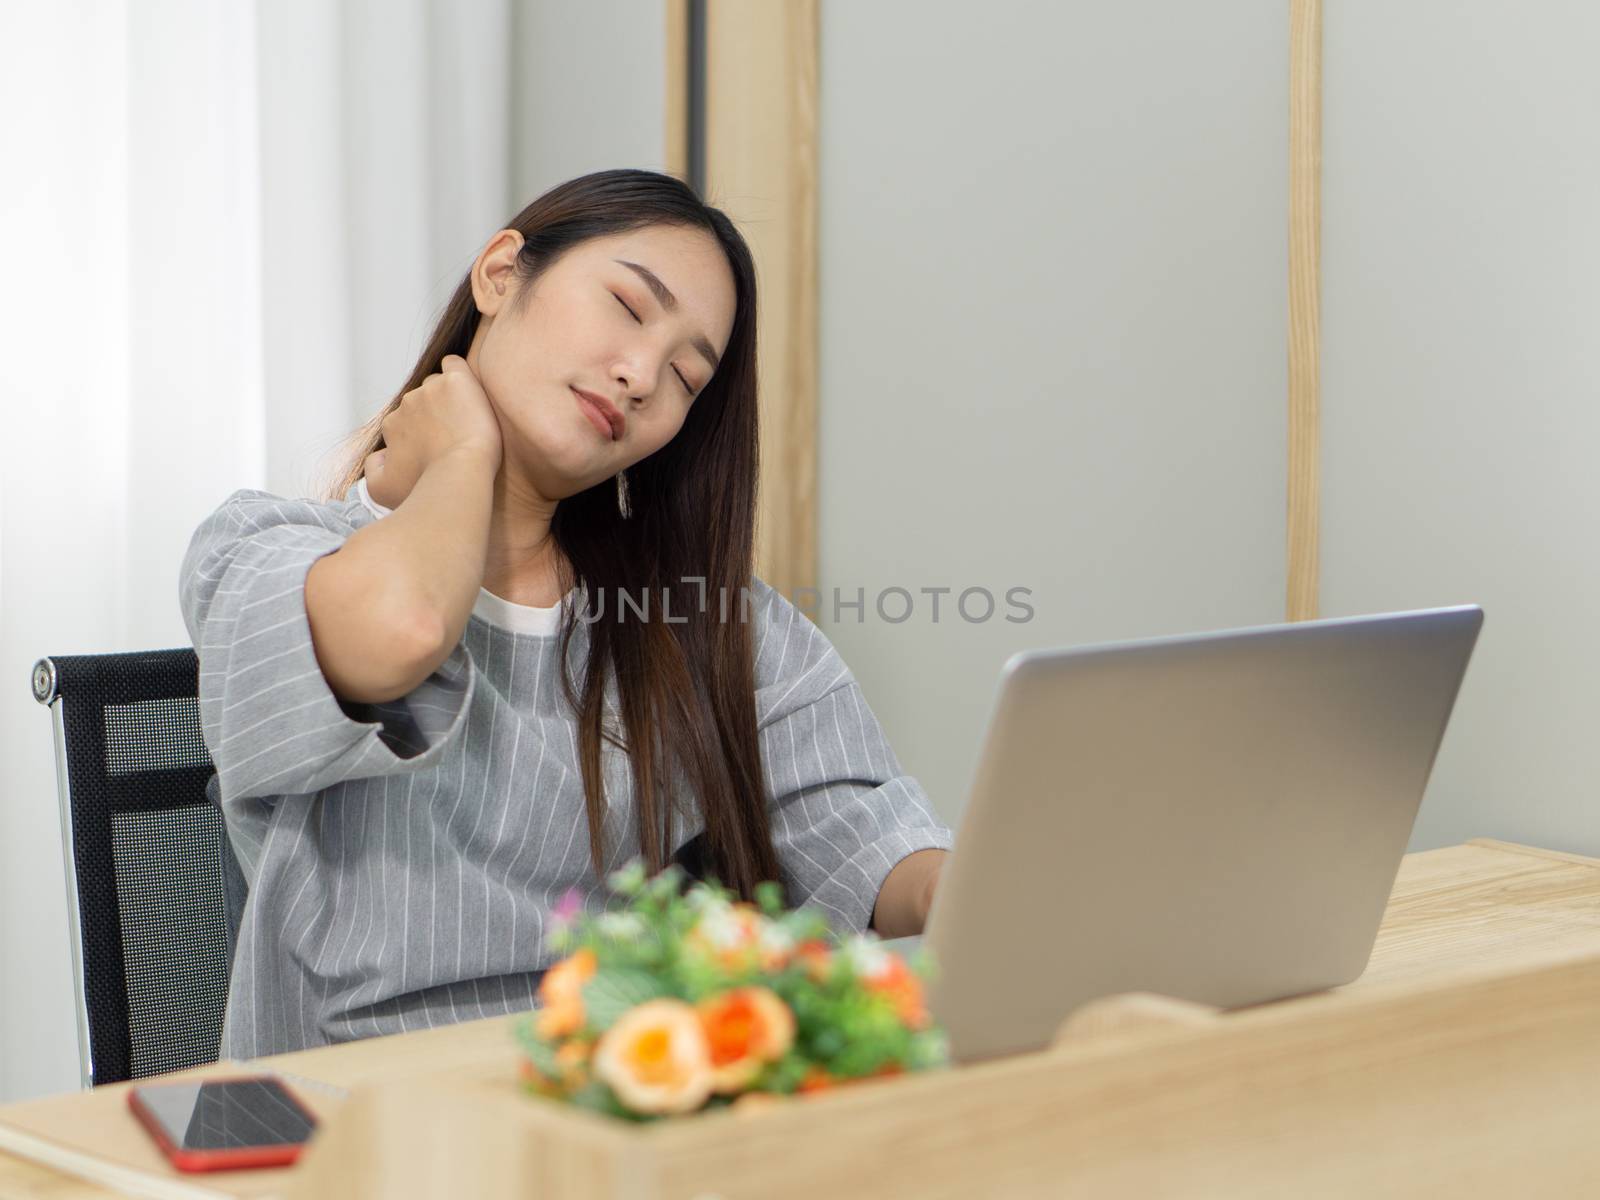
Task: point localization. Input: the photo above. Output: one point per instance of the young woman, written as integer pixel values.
(520, 643)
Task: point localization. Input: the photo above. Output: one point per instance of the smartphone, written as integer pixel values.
(224, 1124)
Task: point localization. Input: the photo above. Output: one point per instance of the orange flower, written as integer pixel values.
(732, 936)
(774, 947)
(561, 995)
(816, 1079)
(746, 1028)
(534, 1079)
(900, 984)
(573, 1059)
(655, 1058)
(816, 956)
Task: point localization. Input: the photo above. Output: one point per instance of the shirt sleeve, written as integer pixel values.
(267, 715)
(843, 809)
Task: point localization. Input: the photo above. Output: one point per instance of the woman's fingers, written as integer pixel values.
(448, 409)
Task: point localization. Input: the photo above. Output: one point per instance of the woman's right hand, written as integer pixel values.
(448, 411)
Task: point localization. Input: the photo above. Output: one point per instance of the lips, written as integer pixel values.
(601, 413)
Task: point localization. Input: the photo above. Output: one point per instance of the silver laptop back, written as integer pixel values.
(1217, 817)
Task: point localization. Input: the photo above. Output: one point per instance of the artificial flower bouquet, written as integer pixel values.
(685, 1000)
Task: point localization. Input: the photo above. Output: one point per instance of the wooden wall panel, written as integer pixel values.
(675, 104)
(761, 168)
(1305, 288)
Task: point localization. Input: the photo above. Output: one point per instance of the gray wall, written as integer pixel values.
(588, 84)
(1461, 299)
(1053, 312)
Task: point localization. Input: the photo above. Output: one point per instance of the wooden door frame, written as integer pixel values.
(741, 106)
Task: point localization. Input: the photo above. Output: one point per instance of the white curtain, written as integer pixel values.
(227, 230)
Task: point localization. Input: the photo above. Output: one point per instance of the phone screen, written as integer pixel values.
(228, 1114)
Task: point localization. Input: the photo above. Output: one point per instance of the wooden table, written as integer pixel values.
(1464, 913)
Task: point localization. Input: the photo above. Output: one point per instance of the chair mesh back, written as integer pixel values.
(154, 735)
(149, 852)
(174, 934)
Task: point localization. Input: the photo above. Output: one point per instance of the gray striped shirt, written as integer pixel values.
(402, 859)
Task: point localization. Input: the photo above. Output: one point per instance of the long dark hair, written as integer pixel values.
(686, 691)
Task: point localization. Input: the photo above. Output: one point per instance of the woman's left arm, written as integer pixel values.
(851, 827)
(907, 894)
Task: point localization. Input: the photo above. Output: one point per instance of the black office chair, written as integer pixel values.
(154, 893)
(153, 890)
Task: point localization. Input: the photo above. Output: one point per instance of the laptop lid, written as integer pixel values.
(1217, 817)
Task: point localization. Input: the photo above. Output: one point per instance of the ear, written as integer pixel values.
(494, 272)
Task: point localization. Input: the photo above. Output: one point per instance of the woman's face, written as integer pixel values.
(576, 333)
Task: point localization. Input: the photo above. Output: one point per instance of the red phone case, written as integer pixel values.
(220, 1160)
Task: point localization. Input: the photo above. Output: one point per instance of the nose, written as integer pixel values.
(636, 374)
(631, 380)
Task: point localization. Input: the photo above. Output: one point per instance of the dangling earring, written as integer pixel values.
(622, 495)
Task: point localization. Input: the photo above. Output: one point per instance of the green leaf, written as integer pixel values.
(785, 1075)
(667, 884)
(930, 1048)
(829, 1042)
(769, 898)
(597, 1097)
(614, 990)
(629, 879)
(539, 1052)
(923, 964)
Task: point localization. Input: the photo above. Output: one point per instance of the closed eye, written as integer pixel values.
(675, 371)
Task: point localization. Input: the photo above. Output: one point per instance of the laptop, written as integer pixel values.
(1217, 817)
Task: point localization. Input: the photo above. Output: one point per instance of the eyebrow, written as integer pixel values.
(668, 301)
